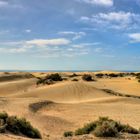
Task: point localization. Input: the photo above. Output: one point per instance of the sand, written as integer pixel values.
(71, 104)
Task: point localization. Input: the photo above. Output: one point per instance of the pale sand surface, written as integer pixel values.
(74, 103)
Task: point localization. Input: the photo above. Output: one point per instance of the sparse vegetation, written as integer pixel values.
(49, 79)
(105, 127)
(138, 77)
(18, 126)
(87, 77)
(68, 134)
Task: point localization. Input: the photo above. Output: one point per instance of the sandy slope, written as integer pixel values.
(66, 92)
(122, 85)
(75, 103)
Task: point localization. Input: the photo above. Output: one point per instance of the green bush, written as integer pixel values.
(86, 129)
(18, 126)
(3, 116)
(107, 129)
(21, 126)
(68, 134)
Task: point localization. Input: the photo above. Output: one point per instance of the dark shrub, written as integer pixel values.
(54, 77)
(17, 126)
(113, 75)
(86, 129)
(49, 79)
(87, 77)
(68, 134)
(21, 126)
(129, 129)
(75, 79)
(99, 75)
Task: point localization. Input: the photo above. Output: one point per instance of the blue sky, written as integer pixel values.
(70, 35)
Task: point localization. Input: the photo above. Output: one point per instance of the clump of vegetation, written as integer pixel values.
(138, 77)
(99, 75)
(105, 127)
(68, 134)
(75, 80)
(88, 128)
(49, 79)
(18, 126)
(87, 77)
(54, 77)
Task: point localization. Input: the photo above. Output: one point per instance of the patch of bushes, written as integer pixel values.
(68, 134)
(87, 77)
(105, 127)
(18, 126)
(49, 79)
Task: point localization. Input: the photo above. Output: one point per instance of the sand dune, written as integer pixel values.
(16, 86)
(66, 92)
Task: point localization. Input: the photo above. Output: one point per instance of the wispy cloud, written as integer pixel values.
(135, 37)
(98, 2)
(51, 42)
(45, 48)
(75, 35)
(114, 20)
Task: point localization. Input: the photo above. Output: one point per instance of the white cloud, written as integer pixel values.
(45, 48)
(51, 42)
(27, 30)
(115, 20)
(98, 2)
(76, 35)
(135, 37)
(3, 3)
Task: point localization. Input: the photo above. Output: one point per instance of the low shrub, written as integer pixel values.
(75, 79)
(99, 75)
(87, 77)
(68, 134)
(54, 77)
(105, 127)
(18, 126)
(129, 129)
(86, 129)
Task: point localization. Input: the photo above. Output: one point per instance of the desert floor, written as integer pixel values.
(73, 103)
